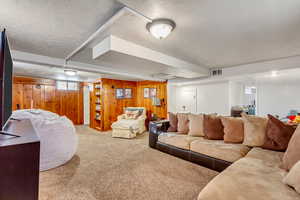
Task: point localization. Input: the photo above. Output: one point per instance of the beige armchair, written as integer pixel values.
(129, 128)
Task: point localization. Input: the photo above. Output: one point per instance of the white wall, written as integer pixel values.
(201, 98)
(86, 105)
(236, 94)
(171, 94)
(278, 97)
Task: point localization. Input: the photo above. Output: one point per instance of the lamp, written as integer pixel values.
(161, 28)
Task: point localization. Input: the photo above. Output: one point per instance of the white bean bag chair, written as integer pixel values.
(57, 135)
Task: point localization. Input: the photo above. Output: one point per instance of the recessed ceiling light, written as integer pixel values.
(70, 72)
(161, 28)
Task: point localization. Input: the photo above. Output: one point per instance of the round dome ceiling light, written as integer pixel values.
(161, 28)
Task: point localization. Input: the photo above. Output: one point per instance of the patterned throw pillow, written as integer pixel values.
(131, 114)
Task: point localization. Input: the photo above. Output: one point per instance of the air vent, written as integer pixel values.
(216, 72)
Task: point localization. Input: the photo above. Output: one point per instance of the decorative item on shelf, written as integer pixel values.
(153, 92)
(98, 86)
(98, 116)
(146, 93)
(156, 101)
(97, 93)
(98, 107)
(98, 100)
(127, 93)
(119, 93)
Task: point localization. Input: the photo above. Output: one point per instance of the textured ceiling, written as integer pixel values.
(53, 27)
(210, 32)
(220, 33)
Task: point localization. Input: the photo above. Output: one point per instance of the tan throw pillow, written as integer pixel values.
(131, 114)
(213, 127)
(233, 129)
(196, 125)
(292, 155)
(183, 123)
(254, 130)
(173, 122)
(293, 177)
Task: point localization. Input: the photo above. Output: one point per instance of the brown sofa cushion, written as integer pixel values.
(278, 134)
(233, 129)
(292, 155)
(183, 123)
(213, 127)
(196, 125)
(293, 177)
(254, 130)
(173, 122)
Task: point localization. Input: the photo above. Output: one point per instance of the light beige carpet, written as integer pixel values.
(113, 168)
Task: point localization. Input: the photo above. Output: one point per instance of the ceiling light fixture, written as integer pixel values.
(161, 28)
(70, 72)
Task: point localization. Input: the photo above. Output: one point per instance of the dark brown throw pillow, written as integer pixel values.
(213, 127)
(278, 134)
(173, 122)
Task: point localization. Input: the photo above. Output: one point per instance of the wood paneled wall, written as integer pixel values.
(113, 107)
(161, 88)
(43, 94)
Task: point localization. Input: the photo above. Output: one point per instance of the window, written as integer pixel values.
(65, 85)
(61, 85)
(72, 86)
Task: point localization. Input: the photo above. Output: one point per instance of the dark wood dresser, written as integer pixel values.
(19, 162)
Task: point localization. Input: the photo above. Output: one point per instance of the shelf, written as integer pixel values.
(98, 110)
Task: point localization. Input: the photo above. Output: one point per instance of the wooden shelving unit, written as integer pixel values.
(96, 110)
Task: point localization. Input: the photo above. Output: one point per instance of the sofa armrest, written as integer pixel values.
(155, 129)
(141, 117)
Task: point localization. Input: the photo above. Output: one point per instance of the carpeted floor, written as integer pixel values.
(113, 168)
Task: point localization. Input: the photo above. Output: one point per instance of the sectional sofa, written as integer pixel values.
(246, 173)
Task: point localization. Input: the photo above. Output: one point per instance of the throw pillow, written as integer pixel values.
(131, 114)
(173, 122)
(278, 134)
(196, 125)
(292, 155)
(213, 127)
(183, 123)
(254, 130)
(293, 177)
(233, 129)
